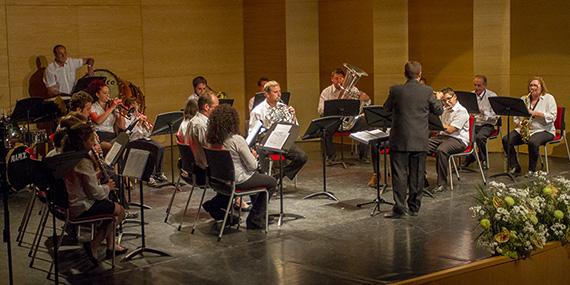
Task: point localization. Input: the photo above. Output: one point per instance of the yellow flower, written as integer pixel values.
(485, 224)
(558, 214)
(510, 201)
(502, 236)
(497, 202)
(550, 190)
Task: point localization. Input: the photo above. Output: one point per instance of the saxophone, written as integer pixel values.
(525, 123)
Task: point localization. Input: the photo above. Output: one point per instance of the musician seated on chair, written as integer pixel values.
(534, 131)
(139, 130)
(223, 130)
(190, 111)
(453, 139)
(87, 197)
(333, 92)
(59, 76)
(104, 113)
(272, 111)
(200, 85)
(485, 121)
(260, 84)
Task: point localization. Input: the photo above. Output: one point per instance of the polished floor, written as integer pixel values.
(335, 242)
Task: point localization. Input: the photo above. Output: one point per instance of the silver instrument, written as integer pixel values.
(353, 74)
(280, 113)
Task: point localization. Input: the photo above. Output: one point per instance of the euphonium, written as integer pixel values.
(525, 123)
(220, 94)
(353, 74)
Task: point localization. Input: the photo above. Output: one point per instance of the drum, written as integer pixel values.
(14, 135)
(18, 167)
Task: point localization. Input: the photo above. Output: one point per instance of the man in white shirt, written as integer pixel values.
(333, 92)
(453, 139)
(260, 84)
(485, 121)
(272, 111)
(200, 85)
(59, 76)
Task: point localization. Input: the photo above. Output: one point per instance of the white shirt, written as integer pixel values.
(547, 105)
(182, 133)
(331, 93)
(108, 124)
(197, 128)
(262, 112)
(194, 97)
(457, 117)
(62, 76)
(487, 115)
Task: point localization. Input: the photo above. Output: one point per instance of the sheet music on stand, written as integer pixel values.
(281, 137)
(366, 137)
(136, 163)
(252, 136)
(117, 149)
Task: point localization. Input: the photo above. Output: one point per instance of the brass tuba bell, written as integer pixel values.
(353, 74)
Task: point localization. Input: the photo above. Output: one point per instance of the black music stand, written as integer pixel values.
(168, 123)
(469, 101)
(377, 117)
(434, 123)
(341, 107)
(260, 97)
(227, 101)
(4, 191)
(319, 128)
(287, 141)
(138, 165)
(508, 106)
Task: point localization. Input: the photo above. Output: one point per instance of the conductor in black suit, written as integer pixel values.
(410, 105)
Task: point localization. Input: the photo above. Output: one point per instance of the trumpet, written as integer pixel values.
(127, 113)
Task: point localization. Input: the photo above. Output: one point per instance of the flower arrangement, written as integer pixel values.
(515, 220)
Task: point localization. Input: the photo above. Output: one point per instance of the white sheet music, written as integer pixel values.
(367, 136)
(136, 163)
(112, 153)
(251, 136)
(278, 136)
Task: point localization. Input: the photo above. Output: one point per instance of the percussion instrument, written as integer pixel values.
(18, 167)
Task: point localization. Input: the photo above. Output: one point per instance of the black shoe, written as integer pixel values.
(87, 248)
(217, 214)
(515, 170)
(393, 215)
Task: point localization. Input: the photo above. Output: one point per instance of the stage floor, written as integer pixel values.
(335, 242)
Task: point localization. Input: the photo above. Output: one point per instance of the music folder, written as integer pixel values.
(366, 137)
(469, 101)
(116, 151)
(280, 137)
(256, 131)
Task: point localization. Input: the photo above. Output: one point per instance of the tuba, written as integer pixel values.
(525, 123)
(353, 74)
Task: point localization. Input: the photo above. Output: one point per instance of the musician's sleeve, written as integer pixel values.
(49, 78)
(321, 106)
(245, 154)
(253, 118)
(89, 180)
(551, 110)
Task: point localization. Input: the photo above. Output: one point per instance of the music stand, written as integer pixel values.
(469, 101)
(508, 106)
(227, 101)
(341, 107)
(4, 191)
(319, 128)
(434, 123)
(287, 143)
(167, 123)
(260, 97)
(377, 117)
(138, 165)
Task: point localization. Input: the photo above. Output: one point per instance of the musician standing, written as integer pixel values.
(453, 139)
(59, 76)
(333, 92)
(272, 111)
(410, 105)
(486, 119)
(200, 85)
(542, 108)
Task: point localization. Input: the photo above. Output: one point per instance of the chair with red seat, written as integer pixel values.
(276, 157)
(496, 133)
(222, 180)
(560, 135)
(469, 150)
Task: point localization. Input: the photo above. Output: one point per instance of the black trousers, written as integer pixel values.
(482, 133)
(407, 178)
(360, 125)
(257, 214)
(443, 147)
(296, 158)
(534, 143)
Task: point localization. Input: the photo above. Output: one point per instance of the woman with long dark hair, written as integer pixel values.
(223, 129)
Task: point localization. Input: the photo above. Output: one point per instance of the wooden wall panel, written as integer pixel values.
(346, 35)
(539, 46)
(303, 58)
(390, 46)
(265, 52)
(4, 74)
(441, 38)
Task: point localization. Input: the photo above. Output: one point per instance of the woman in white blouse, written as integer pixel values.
(542, 108)
(223, 129)
(103, 111)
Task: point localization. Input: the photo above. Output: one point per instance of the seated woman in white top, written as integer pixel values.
(87, 197)
(103, 111)
(223, 129)
(183, 136)
(542, 108)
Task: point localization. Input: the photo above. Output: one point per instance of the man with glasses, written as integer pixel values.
(453, 139)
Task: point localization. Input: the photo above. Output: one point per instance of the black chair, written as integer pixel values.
(222, 180)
